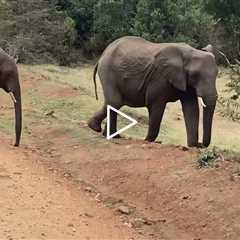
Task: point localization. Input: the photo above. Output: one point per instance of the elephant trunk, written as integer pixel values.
(18, 114)
(208, 112)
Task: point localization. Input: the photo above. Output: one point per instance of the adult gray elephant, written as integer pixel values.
(139, 73)
(9, 81)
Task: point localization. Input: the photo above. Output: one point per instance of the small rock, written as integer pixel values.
(70, 225)
(162, 220)
(68, 161)
(128, 224)
(98, 197)
(124, 210)
(211, 200)
(234, 177)
(88, 215)
(138, 222)
(88, 189)
(50, 114)
(204, 225)
(185, 197)
(217, 165)
(67, 175)
(184, 148)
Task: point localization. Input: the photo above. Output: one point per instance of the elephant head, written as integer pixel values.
(196, 70)
(202, 76)
(9, 81)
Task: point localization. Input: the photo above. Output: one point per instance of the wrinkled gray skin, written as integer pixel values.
(9, 81)
(138, 73)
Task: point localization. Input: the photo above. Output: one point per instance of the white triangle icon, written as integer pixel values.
(133, 122)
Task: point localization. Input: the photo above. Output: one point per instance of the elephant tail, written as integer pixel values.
(94, 79)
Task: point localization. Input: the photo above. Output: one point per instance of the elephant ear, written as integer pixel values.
(178, 77)
(171, 68)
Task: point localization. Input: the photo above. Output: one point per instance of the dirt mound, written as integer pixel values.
(164, 184)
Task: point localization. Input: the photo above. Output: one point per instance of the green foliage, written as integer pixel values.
(227, 13)
(208, 157)
(37, 31)
(57, 30)
(112, 19)
(169, 20)
(230, 106)
(234, 84)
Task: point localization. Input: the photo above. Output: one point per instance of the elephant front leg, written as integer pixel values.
(155, 119)
(191, 116)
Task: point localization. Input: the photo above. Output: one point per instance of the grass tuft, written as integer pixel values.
(208, 157)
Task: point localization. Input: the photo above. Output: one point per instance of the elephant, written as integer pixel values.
(139, 73)
(9, 82)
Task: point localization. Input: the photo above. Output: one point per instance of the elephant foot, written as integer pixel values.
(94, 125)
(150, 139)
(196, 145)
(201, 145)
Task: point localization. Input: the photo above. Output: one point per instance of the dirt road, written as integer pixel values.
(39, 204)
(67, 182)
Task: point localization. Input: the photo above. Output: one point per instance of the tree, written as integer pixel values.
(227, 14)
(170, 20)
(112, 19)
(37, 31)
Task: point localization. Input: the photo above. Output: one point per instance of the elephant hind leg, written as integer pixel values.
(113, 124)
(95, 122)
(155, 118)
(114, 99)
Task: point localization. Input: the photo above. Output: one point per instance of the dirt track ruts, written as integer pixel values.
(39, 204)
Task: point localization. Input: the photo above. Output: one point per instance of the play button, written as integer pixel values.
(133, 122)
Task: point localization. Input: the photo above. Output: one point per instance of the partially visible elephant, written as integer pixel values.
(9, 81)
(138, 73)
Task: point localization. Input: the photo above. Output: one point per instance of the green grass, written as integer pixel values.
(172, 130)
(72, 110)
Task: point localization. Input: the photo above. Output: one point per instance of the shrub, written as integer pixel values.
(37, 31)
(230, 107)
(208, 157)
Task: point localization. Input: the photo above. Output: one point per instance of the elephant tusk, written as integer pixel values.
(12, 97)
(202, 102)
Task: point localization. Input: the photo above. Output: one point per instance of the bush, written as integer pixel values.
(37, 31)
(208, 157)
(167, 20)
(230, 107)
(51, 31)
